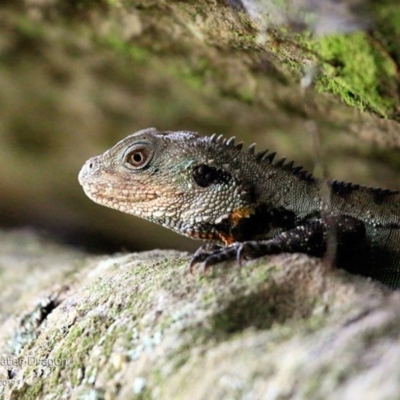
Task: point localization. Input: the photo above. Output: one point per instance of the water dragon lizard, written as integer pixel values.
(245, 204)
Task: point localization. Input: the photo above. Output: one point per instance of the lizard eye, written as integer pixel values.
(138, 157)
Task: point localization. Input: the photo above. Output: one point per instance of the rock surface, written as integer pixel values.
(140, 326)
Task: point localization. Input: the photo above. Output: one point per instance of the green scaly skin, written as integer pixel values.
(246, 205)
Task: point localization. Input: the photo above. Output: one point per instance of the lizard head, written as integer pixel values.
(180, 180)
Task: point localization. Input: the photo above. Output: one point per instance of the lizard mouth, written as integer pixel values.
(104, 193)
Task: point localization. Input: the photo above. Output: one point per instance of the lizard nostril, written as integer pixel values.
(90, 165)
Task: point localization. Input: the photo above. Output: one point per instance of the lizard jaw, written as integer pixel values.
(102, 188)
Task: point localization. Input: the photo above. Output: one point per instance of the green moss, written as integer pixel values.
(115, 42)
(28, 28)
(194, 78)
(357, 71)
(34, 391)
(390, 15)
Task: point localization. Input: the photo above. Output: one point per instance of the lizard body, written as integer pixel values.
(245, 204)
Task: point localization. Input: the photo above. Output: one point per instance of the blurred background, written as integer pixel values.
(76, 76)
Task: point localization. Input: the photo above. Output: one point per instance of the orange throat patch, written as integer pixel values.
(224, 236)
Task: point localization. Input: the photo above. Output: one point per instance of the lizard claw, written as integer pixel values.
(204, 267)
(216, 255)
(191, 265)
(239, 254)
(200, 258)
(202, 254)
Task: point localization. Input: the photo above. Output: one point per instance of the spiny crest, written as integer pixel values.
(344, 189)
(384, 192)
(260, 155)
(251, 148)
(230, 142)
(303, 174)
(380, 195)
(349, 186)
(263, 156)
(281, 162)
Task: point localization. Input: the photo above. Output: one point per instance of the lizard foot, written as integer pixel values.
(210, 255)
(202, 253)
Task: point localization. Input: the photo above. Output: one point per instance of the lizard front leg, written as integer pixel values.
(310, 238)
